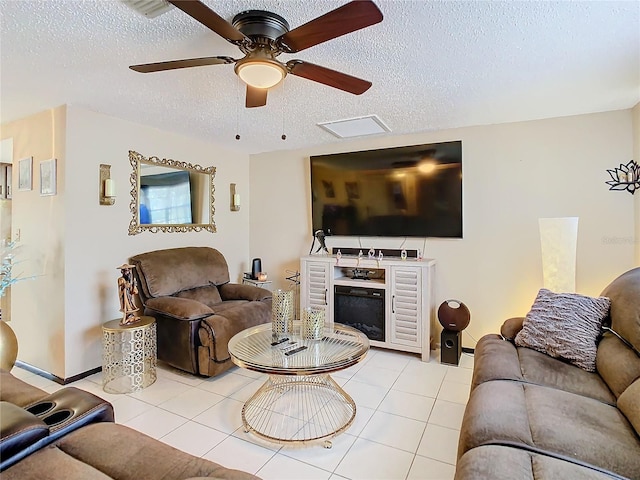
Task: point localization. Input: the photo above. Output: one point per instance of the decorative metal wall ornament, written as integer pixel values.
(625, 177)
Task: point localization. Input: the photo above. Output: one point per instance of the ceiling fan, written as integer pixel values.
(262, 36)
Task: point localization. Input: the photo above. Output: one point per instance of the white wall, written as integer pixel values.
(87, 242)
(513, 174)
(37, 306)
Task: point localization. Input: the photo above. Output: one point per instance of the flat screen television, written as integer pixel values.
(412, 191)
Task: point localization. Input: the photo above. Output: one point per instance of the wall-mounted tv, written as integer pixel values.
(412, 191)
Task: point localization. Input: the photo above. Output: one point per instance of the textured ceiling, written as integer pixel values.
(433, 64)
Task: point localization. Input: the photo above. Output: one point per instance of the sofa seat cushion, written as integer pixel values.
(506, 463)
(225, 306)
(497, 359)
(550, 420)
(629, 404)
(107, 451)
(16, 391)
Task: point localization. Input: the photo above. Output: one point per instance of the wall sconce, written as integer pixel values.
(558, 239)
(235, 198)
(107, 186)
(625, 177)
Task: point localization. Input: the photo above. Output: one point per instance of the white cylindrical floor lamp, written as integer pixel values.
(558, 239)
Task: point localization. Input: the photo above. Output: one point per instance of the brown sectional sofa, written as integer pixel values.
(89, 446)
(531, 416)
(196, 307)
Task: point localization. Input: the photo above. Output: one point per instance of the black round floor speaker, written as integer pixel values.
(256, 268)
(454, 315)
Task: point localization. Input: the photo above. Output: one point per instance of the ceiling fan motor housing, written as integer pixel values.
(260, 25)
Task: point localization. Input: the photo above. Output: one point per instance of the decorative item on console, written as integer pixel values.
(127, 288)
(625, 177)
(386, 252)
(362, 273)
(319, 235)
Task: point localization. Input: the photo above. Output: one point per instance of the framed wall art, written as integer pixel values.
(48, 177)
(25, 167)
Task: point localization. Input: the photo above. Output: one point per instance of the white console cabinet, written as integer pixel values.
(406, 286)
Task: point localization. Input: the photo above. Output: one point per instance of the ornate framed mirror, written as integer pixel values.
(170, 196)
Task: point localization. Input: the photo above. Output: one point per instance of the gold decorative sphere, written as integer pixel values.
(8, 346)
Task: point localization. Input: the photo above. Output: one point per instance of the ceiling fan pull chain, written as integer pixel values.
(284, 107)
(238, 112)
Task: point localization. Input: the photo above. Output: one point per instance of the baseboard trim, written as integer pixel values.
(55, 378)
(468, 350)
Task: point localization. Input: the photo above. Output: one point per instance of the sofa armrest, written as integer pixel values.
(511, 327)
(180, 308)
(240, 291)
(19, 430)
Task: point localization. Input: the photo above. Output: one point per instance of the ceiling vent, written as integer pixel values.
(355, 127)
(149, 8)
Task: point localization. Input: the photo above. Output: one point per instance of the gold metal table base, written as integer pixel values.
(128, 355)
(298, 409)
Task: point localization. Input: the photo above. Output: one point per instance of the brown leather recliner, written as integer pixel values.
(197, 310)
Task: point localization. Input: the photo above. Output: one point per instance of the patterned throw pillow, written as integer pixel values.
(565, 326)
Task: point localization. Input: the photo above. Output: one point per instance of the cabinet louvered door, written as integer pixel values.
(406, 321)
(316, 290)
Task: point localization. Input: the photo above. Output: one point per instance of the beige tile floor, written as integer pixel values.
(406, 428)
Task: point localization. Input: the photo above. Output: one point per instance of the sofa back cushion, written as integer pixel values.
(616, 362)
(208, 295)
(166, 272)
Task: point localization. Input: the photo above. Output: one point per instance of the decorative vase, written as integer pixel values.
(282, 311)
(8, 346)
(312, 323)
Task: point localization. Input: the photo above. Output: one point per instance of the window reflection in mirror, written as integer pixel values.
(170, 196)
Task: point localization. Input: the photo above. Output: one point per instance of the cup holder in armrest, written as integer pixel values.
(70, 408)
(40, 408)
(57, 417)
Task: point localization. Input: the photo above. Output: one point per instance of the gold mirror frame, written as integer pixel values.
(135, 227)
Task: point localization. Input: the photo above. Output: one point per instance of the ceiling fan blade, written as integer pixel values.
(210, 19)
(256, 97)
(328, 77)
(346, 19)
(186, 63)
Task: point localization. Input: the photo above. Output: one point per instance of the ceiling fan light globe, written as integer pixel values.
(260, 74)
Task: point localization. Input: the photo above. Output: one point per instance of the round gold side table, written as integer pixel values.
(128, 355)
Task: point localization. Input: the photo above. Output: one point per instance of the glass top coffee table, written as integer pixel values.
(299, 402)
